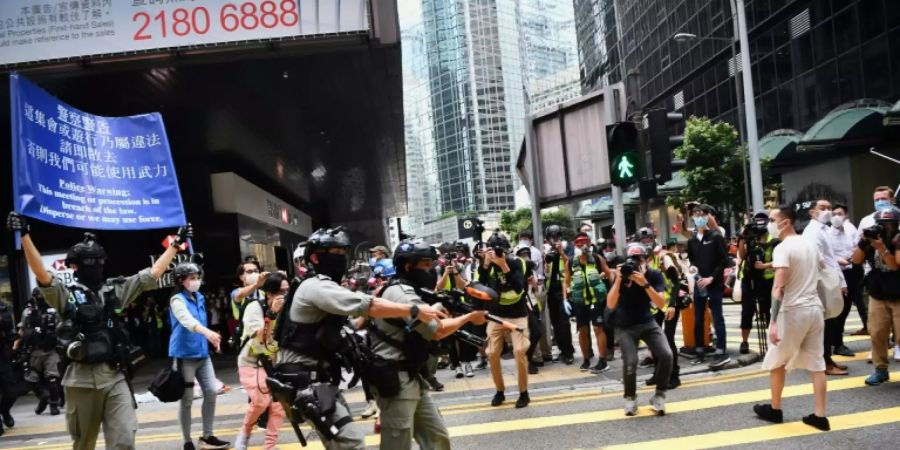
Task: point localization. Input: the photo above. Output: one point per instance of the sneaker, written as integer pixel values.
(435, 384)
(602, 366)
(699, 360)
(766, 412)
(8, 420)
(832, 369)
(468, 370)
(647, 362)
(817, 422)
(745, 348)
(459, 372)
(498, 399)
(651, 381)
(719, 360)
(41, 406)
(567, 359)
(54, 410)
(188, 446)
(630, 406)
(371, 410)
(532, 368)
(844, 351)
(241, 440)
(658, 403)
(212, 442)
(482, 364)
(878, 376)
(585, 365)
(523, 400)
(442, 364)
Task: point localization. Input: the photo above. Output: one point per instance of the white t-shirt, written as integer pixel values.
(801, 257)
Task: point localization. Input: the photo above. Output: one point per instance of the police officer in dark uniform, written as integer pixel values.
(405, 344)
(311, 337)
(95, 384)
(8, 392)
(38, 330)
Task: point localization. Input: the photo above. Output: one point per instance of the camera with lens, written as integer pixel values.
(450, 256)
(873, 232)
(631, 266)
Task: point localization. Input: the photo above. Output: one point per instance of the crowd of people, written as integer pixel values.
(401, 316)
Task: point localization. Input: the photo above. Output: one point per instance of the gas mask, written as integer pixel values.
(422, 279)
(331, 265)
(90, 275)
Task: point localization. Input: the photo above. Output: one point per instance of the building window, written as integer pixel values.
(800, 24)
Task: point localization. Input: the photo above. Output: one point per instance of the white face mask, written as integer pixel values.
(578, 252)
(824, 217)
(251, 278)
(524, 243)
(193, 285)
(773, 230)
(837, 221)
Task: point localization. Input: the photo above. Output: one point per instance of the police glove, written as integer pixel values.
(184, 233)
(17, 222)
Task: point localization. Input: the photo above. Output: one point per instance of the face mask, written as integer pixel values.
(578, 252)
(90, 276)
(701, 221)
(837, 221)
(824, 217)
(251, 278)
(683, 256)
(422, 279)
(773, 230)
(882, 204)
(192, 285)
(331, 265)
(609, 256)
(524, 243)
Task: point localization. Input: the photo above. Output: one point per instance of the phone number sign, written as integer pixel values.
(38, 30)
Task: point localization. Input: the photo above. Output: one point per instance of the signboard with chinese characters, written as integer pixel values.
(38, 30)
(75, 169)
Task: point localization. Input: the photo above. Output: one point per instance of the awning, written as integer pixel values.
(892, 118)
(779, 143)
(851, 124)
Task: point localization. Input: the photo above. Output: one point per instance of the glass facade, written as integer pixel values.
(472, 71)
(807, 56)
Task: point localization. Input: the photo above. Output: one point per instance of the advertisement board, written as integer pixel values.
(38, 30)
(56, 264)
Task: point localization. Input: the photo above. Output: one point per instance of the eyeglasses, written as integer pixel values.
(251, 271)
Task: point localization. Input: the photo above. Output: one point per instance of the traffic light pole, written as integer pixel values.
(619, 220)
(756, 190)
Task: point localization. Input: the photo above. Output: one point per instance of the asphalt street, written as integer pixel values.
(571, 409)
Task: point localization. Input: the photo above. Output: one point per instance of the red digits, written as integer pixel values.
(180, 24)
(139, 35)
(229, 20)
(269, 18)
(289, 16)
(248, 11)
(161, 17)
(200, 12)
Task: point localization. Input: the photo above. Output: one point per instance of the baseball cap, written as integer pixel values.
(380, 248)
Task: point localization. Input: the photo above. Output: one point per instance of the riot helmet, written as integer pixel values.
(88, 259)
(412, 252)
(498, 243)
(330, 247)
(183, 270)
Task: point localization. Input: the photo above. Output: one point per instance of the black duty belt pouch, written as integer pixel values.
(98, 347)
(169, 385)
(384, 375)
(294, 374)
(327, 395)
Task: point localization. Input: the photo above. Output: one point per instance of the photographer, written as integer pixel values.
(636, 288)
(880, 247)
(555, 269)
(588, 294)
(453, 263)
(755, 248)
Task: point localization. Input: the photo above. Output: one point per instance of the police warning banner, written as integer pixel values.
(39, 30)
(79, 170)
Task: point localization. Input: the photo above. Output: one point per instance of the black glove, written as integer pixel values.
(184, 233)
(17, 222)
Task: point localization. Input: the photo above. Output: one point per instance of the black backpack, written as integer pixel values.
(169, 384)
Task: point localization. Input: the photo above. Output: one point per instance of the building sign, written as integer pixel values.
(235, 195)
(37, 30)
(76, 169)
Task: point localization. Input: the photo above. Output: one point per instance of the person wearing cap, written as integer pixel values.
(588, 295)
(756, 248)
(381, 263)
(709, 256)
(635, 288)
(544, 352)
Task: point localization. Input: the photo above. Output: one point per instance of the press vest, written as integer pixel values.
(587, 286)
(510, 296)
(185, 343)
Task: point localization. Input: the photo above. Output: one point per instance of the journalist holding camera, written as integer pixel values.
(636, 288)
(755, 248)
(880, 247)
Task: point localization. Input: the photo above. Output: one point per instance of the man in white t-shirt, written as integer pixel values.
(797, 326)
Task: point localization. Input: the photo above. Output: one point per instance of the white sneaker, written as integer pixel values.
(630, 406)
(371, 410)
(459, 372)
(469, 372)
(658, 403)
(240, 442)
(897, 353)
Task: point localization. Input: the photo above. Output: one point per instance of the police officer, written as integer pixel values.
(96, 389)
(38, 331)
(317, 312)
(755, 248)
(8, 392)
(404, 342)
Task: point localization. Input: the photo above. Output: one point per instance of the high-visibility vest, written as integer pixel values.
(510, 296)
(587, 286)
(655, 263)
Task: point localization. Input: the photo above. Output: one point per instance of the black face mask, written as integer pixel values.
(331, 265)
(422, 279)
(90, 276)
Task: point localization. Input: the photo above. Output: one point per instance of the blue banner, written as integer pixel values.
(79, 170)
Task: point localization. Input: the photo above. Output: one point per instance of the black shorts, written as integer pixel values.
(587, 315)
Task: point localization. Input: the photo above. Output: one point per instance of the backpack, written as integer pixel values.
(169, 384)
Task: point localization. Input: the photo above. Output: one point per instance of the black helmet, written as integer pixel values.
(553, 231)
(183, 270)
(87, 252)
(412, 251)
(887, 215)
(645, 232)
(498, 240)
(327, 238)
(461, 247)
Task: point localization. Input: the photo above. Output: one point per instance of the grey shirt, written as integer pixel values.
(406, 295)
(314, 300)
(97, 376)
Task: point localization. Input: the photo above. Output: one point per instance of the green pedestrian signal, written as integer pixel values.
(624, 169)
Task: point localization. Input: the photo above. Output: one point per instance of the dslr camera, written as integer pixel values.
(631, 266)
(873, 232)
